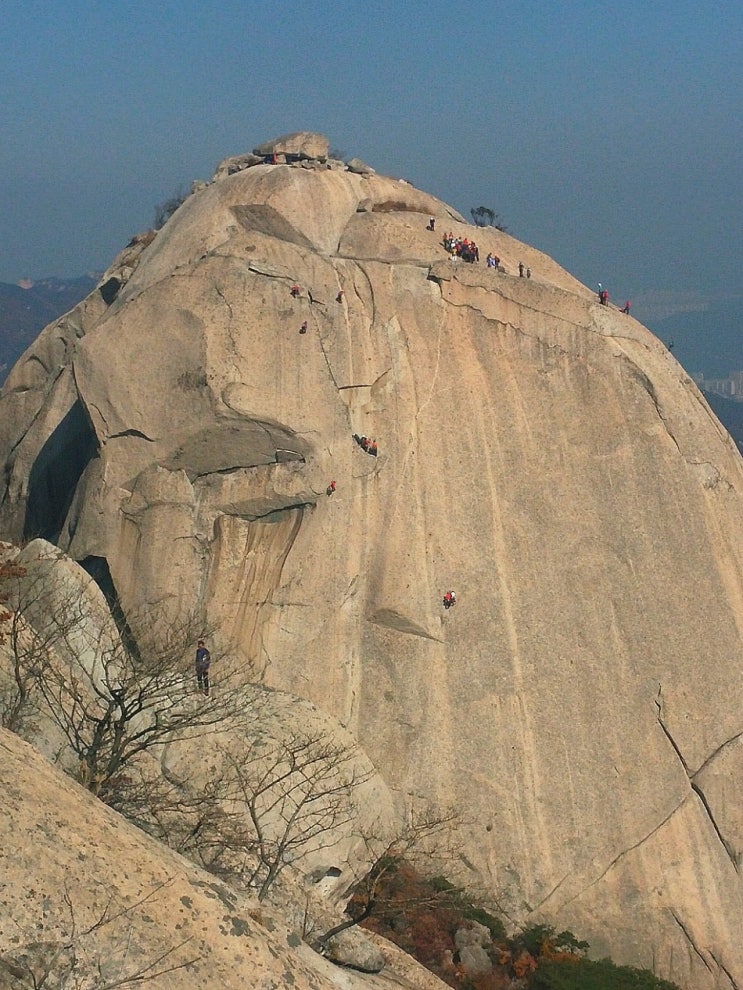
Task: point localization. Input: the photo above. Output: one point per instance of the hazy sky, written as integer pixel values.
(606, 134)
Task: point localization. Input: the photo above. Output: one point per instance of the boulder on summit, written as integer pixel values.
(301, 144)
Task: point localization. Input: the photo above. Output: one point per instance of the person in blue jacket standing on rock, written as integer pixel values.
(203, 662)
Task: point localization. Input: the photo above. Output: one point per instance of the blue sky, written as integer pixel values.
(606, 134)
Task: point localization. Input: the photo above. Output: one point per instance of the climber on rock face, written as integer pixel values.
(295, 290)
(449, 600)
(367, 445)
(303, 328)
(330, 489)
(339, 297)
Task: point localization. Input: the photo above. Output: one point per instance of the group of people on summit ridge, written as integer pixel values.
(461, 247)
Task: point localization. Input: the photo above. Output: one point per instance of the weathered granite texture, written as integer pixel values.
(541, 454)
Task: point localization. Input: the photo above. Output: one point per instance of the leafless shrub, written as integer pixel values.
(73, 958)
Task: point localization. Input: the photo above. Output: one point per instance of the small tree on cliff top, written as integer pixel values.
(483, 216)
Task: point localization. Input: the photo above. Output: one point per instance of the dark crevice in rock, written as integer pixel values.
(731, 853)
(269, 510)
(131, 433)
(624, 852)
(224, 300)
(327, 361)
(639, 376)
(669, 737)
(55, 473)
(733, 983)
(394, 206)
(370, 286)
(283, 454)
(694, 947)
(110, 289)
(551, 893)
(100, 414)
(98, 569)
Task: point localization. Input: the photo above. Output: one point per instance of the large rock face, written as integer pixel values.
(541, 454)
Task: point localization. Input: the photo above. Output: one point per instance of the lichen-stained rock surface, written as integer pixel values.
(543, 455)
(91, 900)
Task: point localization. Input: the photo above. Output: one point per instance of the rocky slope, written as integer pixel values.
(88, 900)
(541, 454)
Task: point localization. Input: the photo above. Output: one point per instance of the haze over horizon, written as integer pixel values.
(605, 135)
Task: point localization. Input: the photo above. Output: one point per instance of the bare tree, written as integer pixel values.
(165, 210)
(267, 799)
(133, 700)
(200, 820)
(116, 702)
(112, 697)
(18, 686)
(427, 842)
(299, 793)
(75, 959)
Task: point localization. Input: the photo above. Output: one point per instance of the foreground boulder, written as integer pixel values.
(352, 948)
(543, 455)
(87, 896)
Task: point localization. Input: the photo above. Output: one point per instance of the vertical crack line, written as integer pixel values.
(729, 849)
(370, 286)
(434, 379)
(659, 705)
(725, 970)
(230, 323)
(725, 844)
(224, 300)
(687, 935)
(325, 355)
(639, 376)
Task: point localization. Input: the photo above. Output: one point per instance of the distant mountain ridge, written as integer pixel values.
(27, 307)
(730, 414)
(708, 341)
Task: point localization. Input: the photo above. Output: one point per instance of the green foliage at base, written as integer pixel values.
(540, 940)
(489, 921)
(423, 914)
(584, 974)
